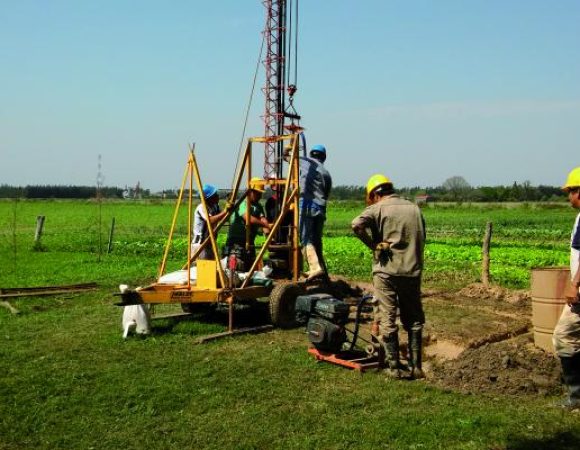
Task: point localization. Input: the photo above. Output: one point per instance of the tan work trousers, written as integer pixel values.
(402, 294)
(566, 337)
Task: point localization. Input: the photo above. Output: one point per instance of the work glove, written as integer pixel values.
(382, 251)
(228, 206)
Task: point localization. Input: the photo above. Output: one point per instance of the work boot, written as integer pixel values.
(314, 265)
(416, 354)
(571, 377)
(392, 364)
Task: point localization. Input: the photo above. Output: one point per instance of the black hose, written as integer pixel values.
(359, 308)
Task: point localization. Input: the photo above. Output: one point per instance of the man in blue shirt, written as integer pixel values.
(201, 223)
(315, 187)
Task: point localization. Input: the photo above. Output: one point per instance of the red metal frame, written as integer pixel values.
(355, 361)
(274, 88)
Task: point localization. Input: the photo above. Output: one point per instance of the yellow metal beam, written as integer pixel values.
(209, 227)
(168, 244)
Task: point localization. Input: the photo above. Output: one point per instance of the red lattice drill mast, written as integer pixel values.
(274, 88)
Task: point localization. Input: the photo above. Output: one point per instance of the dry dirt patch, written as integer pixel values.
(479, 340)
(493, 325)
(512, 367)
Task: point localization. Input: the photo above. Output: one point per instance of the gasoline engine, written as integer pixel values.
(325, 318)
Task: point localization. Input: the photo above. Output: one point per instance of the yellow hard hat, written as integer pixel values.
(375, 181)
(258, 184)
(573, 180)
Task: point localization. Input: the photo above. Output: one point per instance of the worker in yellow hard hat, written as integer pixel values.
(236, 240)
(566, 336)
(374, 182)
(573, 180)
(394, 230)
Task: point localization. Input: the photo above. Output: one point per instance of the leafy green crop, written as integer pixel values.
(75, 231)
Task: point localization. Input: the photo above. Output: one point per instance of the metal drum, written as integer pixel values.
(548, 286)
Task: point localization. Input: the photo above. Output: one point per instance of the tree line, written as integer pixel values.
(454, 189)
(55, 191)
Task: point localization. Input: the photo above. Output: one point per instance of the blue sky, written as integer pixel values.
(419, 90)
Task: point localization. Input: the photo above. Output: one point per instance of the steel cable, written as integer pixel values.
(248, 111)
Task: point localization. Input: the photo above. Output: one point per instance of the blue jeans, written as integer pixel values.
(311, 233)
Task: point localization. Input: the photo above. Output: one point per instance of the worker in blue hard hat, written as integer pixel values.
(200, 221)
(315, 187)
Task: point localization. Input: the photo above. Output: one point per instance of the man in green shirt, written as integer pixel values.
(236, 240)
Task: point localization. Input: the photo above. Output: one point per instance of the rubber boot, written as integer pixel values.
(571, 377)
(323, 266)
(314, 265)
(392, 364)
(416, 354)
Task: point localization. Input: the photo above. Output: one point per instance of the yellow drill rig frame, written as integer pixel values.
(212, 285)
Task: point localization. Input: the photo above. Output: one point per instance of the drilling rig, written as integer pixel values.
(215, 280)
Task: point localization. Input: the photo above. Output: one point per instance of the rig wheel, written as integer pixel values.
(283, 304)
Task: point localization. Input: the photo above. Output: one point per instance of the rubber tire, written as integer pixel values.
(283, 304)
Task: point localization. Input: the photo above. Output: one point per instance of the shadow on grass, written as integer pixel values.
(208, 319)
(214, 320)
(561, 441)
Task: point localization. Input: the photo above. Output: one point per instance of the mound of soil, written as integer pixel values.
(513, 367)
(498, 293)
(478, 341)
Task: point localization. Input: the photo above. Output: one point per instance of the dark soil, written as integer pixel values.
(493, 326)
(512, 367)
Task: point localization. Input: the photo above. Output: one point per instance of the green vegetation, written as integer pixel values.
(524, 236)
(68, 380)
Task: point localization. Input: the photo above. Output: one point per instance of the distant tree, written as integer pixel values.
(527, 191)
(347, 193)
(83, 192)
(7, 191)
(516, 192)
(550, 193)
(457, 187)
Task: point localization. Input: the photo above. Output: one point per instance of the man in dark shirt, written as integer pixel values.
(240, 220)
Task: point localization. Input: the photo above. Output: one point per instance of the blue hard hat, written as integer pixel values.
(319, 148)
(209, 190)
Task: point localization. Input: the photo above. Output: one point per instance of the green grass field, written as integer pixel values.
(68, 380)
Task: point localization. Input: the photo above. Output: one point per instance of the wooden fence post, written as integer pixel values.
(39, 227)
(485, 255)
(111, 232)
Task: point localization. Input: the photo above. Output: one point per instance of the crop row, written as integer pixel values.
(523, 238)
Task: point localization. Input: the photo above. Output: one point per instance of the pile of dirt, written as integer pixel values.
(498, 293)
(478, 340)
(512, 367)
(343, 288)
